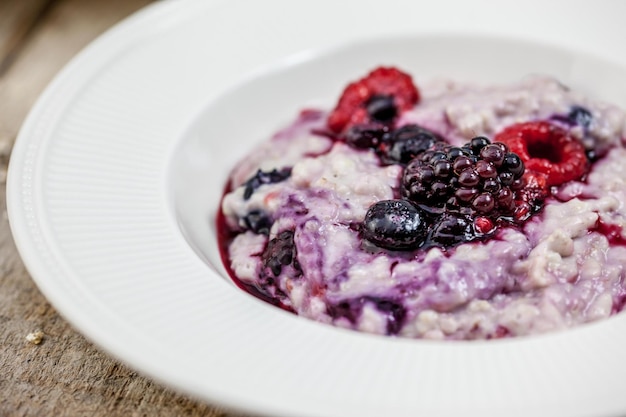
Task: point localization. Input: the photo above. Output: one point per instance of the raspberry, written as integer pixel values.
(546, 149)
(379, 97)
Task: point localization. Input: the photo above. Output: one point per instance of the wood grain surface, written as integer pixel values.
(64, 374)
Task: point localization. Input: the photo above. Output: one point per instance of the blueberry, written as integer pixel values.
(264, 177)
(394, 310)
(365, 136)
(581, 116)
(348, 309)
(258, 222)
(279, 252)
(409, 141)
(351, 309)
(381, 108)
(452, 229)
(394, 224)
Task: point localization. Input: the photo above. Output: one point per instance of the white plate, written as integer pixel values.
(119, 167)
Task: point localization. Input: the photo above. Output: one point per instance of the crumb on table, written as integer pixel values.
(35, 337)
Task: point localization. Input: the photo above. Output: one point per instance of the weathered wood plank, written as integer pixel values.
(64, 375)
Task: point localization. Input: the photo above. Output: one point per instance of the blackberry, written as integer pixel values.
(394, 224)
(475, 178)
(264, 177)
(280, 252)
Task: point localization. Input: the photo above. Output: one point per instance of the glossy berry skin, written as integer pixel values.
(475, 178)
(546, 149)
(264, 177)
(405, 143)
(395, 225)
(452, 229)
(365, 136)
(381, 108)
(380, 96)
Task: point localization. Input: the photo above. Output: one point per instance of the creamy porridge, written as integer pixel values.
(443, 211)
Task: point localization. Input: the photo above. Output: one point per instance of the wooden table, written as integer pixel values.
(64, 374)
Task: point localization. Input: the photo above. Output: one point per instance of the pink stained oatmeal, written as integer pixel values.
(448, 211)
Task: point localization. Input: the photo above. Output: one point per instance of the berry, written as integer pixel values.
(478, 143)
(381, 108)
(258, 222)
(493, 153)
(452, 229)
(394, 224)
(351, 309)
(483, 203)
(547, 149)
(263, 177)
(403, 144)
(462, 163)
(380, 96)
(513, 163)
(534, 188)
(475, 178)
(483, 225)
(365, 136)
(580, 116)
(468, 178)
(394, 311)
(280, 252)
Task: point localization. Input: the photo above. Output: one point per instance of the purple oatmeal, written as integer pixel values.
(452, 211)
